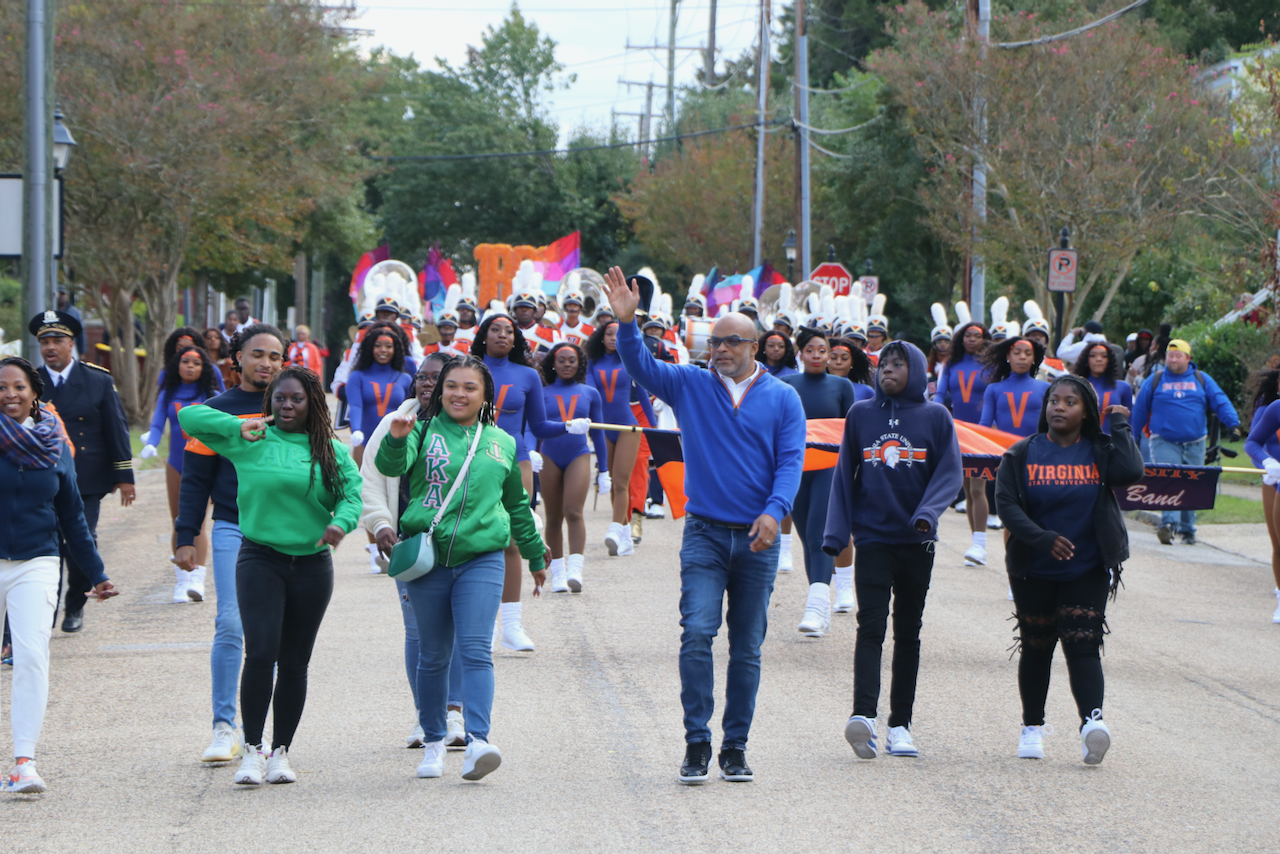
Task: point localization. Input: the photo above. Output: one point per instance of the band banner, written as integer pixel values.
(1171, 488)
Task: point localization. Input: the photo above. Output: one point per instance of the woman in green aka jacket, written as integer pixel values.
(299, 495)
(460, 597)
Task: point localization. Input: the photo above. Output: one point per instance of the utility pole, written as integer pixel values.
(1064, 242)
(36, 188)
(802, 141)
(980, 10)
(671, 67)
(762, 96)
(711, 48)
(646, 123)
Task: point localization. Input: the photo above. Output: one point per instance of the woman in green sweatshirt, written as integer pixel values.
(461, 596)
(299, 495)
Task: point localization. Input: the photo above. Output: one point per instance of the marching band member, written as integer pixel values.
(1037, 329)
(378, 384)
(1102, 366)
(468, 313)
(574, 329)
(940, 352)
(777, 354)
(1011, 402)
(877, 328)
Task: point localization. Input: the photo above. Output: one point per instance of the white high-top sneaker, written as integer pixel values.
(573, 563)
(785, 563)
(195, 584)
(614, 539)
(817, 611)
(181, 579)
(842, 580)
(559, 582)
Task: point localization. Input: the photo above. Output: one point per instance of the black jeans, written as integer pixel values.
(1073, 612)
(881, 570)
(77, 585)
(282, 602)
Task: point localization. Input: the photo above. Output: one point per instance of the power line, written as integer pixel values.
(825, 131)
(1069, 33)
(857, 85)
(829, 152)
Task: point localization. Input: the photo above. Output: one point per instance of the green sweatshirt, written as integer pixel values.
(489, 506)
(279, 505)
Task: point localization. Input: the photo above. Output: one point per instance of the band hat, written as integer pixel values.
(573, 297)
(1176, 344)
(468, 302)
(447, 318)
(941, 329)
(525, 299)
(655, 320)
(53, 324)
(1131, 337)
(387, 304)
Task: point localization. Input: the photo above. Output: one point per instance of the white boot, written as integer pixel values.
(513, 634)
(817, 611)
(613, 540)
(558, 582)
(784, 553)
(574, 573)
(181, 578)
(195, 584)
(843, 582)
(374, 567)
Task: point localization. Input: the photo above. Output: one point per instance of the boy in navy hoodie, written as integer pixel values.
(899, 469)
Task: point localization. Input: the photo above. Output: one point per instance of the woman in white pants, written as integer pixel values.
(38, 495)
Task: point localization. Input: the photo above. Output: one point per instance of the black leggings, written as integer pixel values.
(1071, 611)
(282, 601)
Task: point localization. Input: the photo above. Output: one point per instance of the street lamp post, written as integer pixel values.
(789, 247)
(63, 142)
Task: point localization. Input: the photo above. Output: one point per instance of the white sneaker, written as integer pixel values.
(278, 770)
(785, 563)
(962, 506)
(613, 540)
(377, 563)
(514, 638)
(1095, 739)
(1275, 618)
(860, 732)
(559, 577)
(24, 780)
(899, 742)
(976, 556)
(226, 744)
(252, 766)
(573, 572)
(817, 611)
(480, 760)
(1031, 742)
(654, 511)
(993, 522)
(195, 584)
(626, 542)
(415, 739)
(455, 730)
(844, 599)
(182, 579)
(432, 764)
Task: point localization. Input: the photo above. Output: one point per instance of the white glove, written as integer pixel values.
(357, 439)
(1272, 469)
(604, 483)
(536, 459)
(148, 451)
(578, 426)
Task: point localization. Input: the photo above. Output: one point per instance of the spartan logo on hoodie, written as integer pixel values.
(893, 450)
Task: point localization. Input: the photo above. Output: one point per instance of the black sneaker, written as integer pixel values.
(1165, 534)
(733, 765)
(1188, 538)
(697, 756)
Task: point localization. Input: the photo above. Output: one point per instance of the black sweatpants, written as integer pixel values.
(282, 602)
(77, 585)
(879, 571)
(1071, 611)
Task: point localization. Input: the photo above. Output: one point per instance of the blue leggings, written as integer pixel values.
(809, 512)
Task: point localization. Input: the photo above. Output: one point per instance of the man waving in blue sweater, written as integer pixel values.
(734, 411)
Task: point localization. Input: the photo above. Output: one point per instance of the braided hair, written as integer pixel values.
(519, 354)
(1082, 369)
(319, 427)
(996, 358)
(1092, 424)
(488, 414)
(549, 375)
(382, 329)
(173, 377)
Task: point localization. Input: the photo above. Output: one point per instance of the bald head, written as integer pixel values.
(738, 361)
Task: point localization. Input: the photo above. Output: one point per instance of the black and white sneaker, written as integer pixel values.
(1165, 534)
(1188, 538)
(697, 756)
(733, 765)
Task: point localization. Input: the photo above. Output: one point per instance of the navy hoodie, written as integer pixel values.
(899, 463)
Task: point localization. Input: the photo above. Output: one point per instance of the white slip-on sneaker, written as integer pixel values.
(817, 611)
(573, 572)
(900, 743)
(559, 576)
(181, 579)
(252, 766)
(455, 735)
(993, 522)
(24, 780)
(432, 764)
(514, 638)
(860, 732)
(278, 770)
(226, 744)
(1095, 738)
(415, 739)
(195, 584)
(975, 556)
(480, 760)
(1031, 742)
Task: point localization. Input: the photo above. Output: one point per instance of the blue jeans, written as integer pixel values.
(228, 634)
(455, 606)
(716, 560)
(1178, 453)
(411, 652)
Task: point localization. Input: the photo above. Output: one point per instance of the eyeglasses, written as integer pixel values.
(732, 341)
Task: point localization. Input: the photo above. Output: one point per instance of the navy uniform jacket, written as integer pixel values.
(90, 407)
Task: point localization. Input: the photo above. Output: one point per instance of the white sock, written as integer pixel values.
(820, 593)
(510, 614)
(784, 540)
(843, 576)
(574, 562)
(557, 565)
(980, 538)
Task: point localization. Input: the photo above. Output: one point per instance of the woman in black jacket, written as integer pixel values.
(1067, 539)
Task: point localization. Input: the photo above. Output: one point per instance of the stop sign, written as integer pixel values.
(835, 275)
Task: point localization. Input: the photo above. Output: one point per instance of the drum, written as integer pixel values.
(696, 332)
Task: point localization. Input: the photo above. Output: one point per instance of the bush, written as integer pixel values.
(1228, 353)
(11, 309)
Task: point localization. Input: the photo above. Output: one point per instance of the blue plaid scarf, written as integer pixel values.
(35, 447)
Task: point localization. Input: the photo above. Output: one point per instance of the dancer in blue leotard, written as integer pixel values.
(1101, 365)
(566, 466)
(180, 339)
(379, 383)
(1263, 447)
(961, 388)
(1013, 399)
(606, 374)
(777, 354)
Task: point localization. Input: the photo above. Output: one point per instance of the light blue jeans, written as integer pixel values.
(455, 608)
(1178, 453)
(411, 652)
(228, 634)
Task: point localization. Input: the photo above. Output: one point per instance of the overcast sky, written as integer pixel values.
(591, 42)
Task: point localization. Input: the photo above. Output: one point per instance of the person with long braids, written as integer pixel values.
(1263, 447)
(189, 379)
(519, 404)
(455, 604)
(566, 463)
(609, 377)
(378, 384)
(299, 495)
(1062, 558)
(823, 396)
(777, 354)
(962, 386)
(1102, 365)
(39, 498)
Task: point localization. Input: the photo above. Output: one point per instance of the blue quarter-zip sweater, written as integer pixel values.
(1013, 404)
(899, 464)
(739, 461)
(1174, 405)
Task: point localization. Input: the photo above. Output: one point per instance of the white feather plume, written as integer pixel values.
(814, 304)
(1031, 309)
(451, 297)
(841, 309)
(695, 287)
(939, 314)
(962, 313)
(877, 304)
(828, 295)
(469, 285)
(665, 305)
(724, 309)
(648, 273)
(999, 311)
(784, 297)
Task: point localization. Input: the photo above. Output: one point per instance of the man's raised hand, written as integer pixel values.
(623, 299)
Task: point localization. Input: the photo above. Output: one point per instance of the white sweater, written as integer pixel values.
(381, 494)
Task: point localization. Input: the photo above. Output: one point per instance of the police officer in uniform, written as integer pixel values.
(86, 399)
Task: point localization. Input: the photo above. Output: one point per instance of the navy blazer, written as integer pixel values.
(91, 410)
